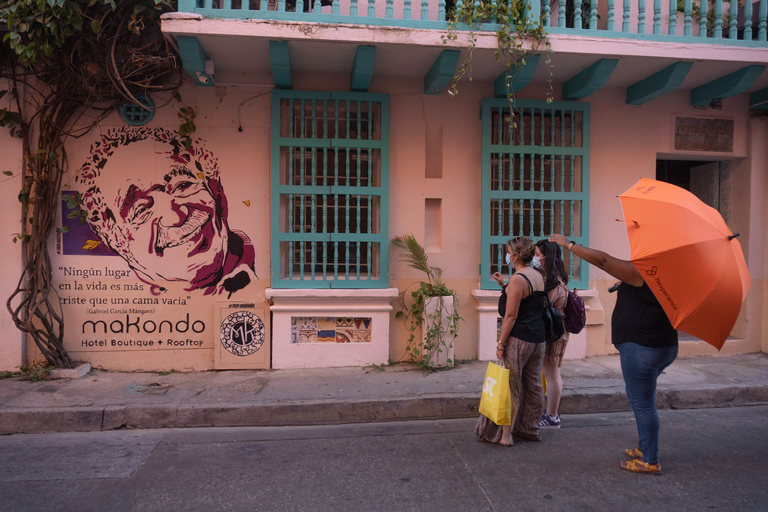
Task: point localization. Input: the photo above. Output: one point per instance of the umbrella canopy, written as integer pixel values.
(688, 256)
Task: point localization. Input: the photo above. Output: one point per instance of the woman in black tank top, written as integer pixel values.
(521, 346)
(647, 344)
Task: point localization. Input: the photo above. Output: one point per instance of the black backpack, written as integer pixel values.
(554, 328)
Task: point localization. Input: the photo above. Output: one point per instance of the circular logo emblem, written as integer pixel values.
(242, 333)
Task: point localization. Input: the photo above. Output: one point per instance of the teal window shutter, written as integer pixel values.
(330, 189)
(535, 165)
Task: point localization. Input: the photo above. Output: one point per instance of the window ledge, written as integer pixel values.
(330, 300)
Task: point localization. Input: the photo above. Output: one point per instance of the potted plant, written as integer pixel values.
(433, 310)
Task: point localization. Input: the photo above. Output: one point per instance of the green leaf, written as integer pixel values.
(65, 229)
(73, 215)
(52, 157)
(96, 26)
(8, 173)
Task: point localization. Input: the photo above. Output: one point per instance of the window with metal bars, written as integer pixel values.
(535, 179)
(330, 156)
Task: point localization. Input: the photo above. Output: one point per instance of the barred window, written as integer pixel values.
(535, 178)
(330, 183)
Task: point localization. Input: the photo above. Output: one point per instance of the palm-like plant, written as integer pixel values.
(415, 257)
(440, 326)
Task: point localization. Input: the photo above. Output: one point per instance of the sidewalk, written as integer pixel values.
(105, 400)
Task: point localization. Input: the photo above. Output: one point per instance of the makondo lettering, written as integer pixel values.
(148, 326)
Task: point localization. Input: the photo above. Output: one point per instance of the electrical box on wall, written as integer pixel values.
(243, 340)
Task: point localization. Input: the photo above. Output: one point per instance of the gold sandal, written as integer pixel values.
(638, 466)
(634, 453)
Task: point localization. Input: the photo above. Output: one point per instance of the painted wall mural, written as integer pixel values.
(168, 221)
(162, 210)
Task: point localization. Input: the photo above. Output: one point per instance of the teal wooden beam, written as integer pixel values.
(442, 71)
(362, 68)
(194, 59)
(590, 80)
(725, 86)
(280, 62)
(759, 99)
(665, 81)
(517, 77)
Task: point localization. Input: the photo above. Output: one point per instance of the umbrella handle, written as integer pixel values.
(731, 237)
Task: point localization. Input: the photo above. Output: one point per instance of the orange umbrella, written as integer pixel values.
(688, 257)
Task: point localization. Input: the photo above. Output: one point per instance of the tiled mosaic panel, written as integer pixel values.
(330, 329)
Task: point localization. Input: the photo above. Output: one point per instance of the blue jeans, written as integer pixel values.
(641, 367)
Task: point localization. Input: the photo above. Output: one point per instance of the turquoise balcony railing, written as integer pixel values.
(699, 21)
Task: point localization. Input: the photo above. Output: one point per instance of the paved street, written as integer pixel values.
(713, 459)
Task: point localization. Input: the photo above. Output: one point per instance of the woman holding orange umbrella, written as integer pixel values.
(647, 344)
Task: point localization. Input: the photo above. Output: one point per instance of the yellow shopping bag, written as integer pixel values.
(496, 401)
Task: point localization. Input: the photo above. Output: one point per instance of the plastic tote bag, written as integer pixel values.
(496, 401)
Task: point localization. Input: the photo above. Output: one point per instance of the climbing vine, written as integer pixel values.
(67, 64)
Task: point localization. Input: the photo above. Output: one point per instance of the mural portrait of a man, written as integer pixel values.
(161, 207)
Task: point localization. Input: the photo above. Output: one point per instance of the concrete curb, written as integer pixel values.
(152, 416)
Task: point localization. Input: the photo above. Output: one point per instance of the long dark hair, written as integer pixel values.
(554, 270)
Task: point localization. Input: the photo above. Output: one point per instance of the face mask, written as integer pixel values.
(536, 262)
(508, 259)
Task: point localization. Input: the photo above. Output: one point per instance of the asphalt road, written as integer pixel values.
(713, 459)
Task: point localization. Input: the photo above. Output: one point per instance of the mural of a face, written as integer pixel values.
(177, 229)
(161, 207)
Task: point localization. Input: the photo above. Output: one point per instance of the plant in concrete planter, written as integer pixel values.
(433, 310)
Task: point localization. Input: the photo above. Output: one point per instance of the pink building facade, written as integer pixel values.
(267, 243)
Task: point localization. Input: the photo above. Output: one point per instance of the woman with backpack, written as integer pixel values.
(549, 262)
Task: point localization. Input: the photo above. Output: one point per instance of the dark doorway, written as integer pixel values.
(709, 181)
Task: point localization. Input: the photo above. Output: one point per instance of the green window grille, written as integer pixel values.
(535, 164)
(330, 186)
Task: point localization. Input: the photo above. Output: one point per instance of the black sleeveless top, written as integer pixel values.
(529, 325)
(638, 317)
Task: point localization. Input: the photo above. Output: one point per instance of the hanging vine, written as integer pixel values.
(518, 37)
(68, 64)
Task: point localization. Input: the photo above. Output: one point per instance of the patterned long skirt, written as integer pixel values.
(523, 360)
